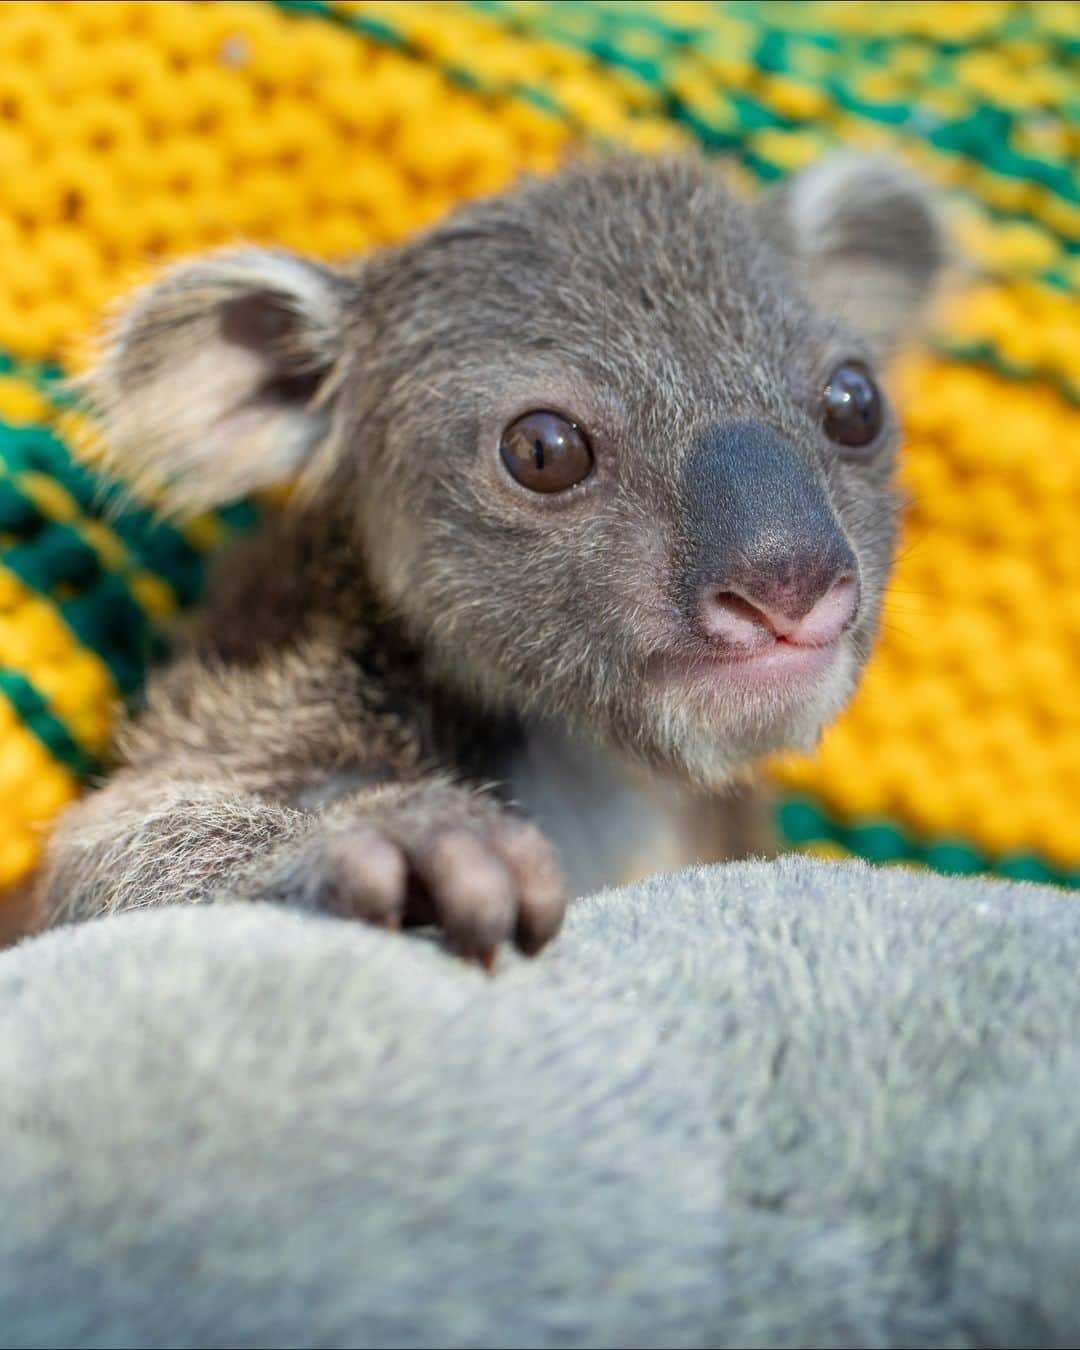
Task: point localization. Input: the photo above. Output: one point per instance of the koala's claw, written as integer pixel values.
(482, 875)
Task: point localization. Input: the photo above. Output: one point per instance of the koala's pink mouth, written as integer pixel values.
(783, 660)
(779, 664)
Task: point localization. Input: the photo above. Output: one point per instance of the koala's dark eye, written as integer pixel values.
(853, 407)
(545, 452)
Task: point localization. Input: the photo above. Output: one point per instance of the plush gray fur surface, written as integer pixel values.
(787, 1103)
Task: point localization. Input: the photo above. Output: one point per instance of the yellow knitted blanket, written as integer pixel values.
(131, 133)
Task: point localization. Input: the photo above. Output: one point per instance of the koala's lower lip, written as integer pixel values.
(778, 663)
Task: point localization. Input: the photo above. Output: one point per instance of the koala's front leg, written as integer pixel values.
(423, 852)
(426, 852)
(155, 838)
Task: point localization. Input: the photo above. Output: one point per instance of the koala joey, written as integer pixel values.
(590, 494)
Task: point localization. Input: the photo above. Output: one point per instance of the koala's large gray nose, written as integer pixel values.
(765, 556)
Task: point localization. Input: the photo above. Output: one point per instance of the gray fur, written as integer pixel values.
(838, 220)
(790, 1104)
(415, 615)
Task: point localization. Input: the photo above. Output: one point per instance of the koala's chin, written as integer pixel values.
(708, 728)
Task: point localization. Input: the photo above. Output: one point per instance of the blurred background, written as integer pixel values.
(134, 133)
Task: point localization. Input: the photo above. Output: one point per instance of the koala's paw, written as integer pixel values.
(445, 855)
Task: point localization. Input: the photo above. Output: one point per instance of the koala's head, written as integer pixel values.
(613, 443)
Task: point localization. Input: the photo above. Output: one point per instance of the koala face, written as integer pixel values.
(613, 443)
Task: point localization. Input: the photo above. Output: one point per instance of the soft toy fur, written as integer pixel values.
(788, 1104)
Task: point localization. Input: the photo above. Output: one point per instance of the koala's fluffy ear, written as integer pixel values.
(867, 243)
(220, 378)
